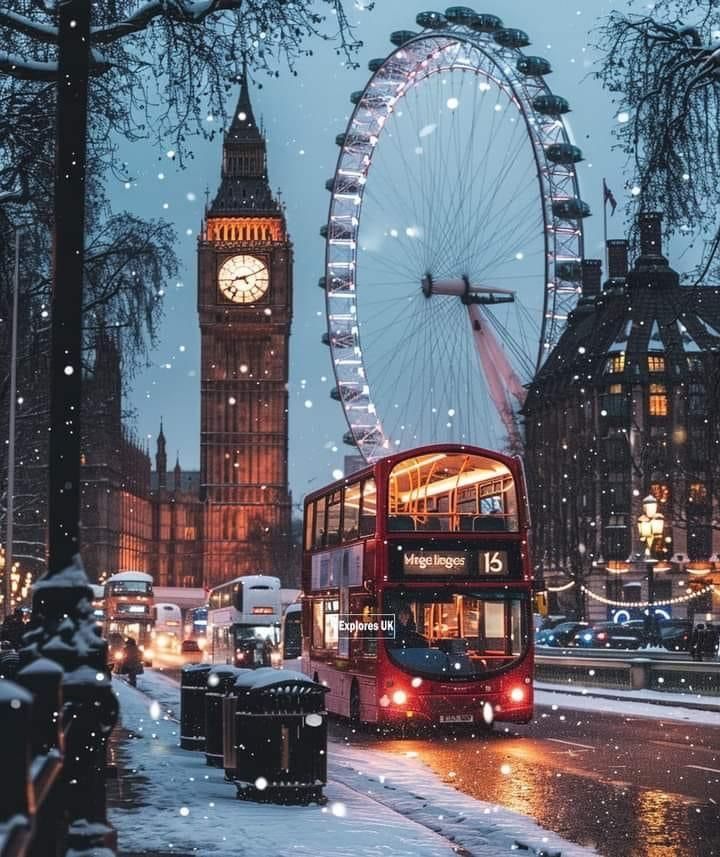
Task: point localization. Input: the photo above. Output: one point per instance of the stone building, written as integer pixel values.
(628, 405)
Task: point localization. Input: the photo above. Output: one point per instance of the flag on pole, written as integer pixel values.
(609, 197)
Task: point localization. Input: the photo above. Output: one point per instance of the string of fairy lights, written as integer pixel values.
(680, 599)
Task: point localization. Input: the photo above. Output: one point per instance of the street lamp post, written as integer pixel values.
(650, 526)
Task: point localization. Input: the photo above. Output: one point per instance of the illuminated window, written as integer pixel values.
(615, 389)
(658, 401)
(660, 491)
(656, 363)
(616, 363)
(698, 492)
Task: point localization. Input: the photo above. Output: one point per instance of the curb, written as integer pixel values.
(602, 693)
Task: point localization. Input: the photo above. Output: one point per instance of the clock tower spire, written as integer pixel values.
(245, 310)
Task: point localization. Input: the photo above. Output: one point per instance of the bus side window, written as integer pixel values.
(319, 523)
(333, 518)
(309, 516)
(351, 513)
(368, 508)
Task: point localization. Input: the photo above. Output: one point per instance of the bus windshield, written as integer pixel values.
(125, 587)
(255, 632)
(452, 492)
(456, 633)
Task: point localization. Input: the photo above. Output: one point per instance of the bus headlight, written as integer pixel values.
(148, 653)
(517, 694)
(118, 656)
(399, 697)
(202, 644)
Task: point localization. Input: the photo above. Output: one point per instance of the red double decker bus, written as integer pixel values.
(417, 589)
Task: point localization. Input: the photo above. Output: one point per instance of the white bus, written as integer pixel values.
(244, 617)
(168, 631)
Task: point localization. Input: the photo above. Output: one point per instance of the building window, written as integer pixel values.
(698, 493)
(696, 399)
(615, 364)
(658, 401)
(660, 491)
(614, 402)
(656, 363)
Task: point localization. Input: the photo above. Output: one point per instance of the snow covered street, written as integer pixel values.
(378, 803)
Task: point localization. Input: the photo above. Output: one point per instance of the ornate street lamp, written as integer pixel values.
(651, 525)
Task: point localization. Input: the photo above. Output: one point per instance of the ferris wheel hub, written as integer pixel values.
(468, 293)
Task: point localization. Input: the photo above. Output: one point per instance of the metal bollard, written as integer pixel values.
(16, 795)
(43, 678)
(193, 684)
(220, 682)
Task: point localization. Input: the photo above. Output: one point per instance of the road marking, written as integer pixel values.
(699, 768)
(571, 743)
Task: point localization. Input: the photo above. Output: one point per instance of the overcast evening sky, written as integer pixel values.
(302, 116)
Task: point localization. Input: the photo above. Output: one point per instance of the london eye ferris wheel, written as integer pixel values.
(455, 224)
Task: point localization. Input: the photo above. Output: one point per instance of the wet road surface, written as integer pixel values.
(627, 786)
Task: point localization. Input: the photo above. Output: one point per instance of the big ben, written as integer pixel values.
(245, 311)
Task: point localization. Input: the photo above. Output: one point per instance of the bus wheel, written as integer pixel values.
(354, 704)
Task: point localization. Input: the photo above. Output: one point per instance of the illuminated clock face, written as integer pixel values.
(243, 279)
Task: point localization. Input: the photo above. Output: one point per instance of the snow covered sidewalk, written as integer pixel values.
(378, 803)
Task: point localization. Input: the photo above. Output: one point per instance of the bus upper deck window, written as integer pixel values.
(351, 512)
(368, 508)
(319, 525)
(333, 518)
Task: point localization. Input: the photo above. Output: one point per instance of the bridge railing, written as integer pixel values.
(629, 671)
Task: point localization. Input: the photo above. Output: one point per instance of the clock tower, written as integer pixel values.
(245, 310)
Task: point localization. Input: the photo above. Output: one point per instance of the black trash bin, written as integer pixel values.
(219, 681)
(280, 737)
(193, 683)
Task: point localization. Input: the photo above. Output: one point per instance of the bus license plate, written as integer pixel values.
(456, 718)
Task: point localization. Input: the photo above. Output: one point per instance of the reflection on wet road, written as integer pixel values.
(630, 787)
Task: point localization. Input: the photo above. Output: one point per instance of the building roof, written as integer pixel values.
(244, 187)
(648, 313)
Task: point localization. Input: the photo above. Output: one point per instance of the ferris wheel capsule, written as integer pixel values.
(510, 37)
(484, 23)
(534, 66)
(430, 21)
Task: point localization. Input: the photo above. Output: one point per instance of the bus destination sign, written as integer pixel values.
(449, 563)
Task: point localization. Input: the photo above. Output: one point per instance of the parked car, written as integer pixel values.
(191, 651)
(608, 635)
(552, 621)
(675, 634)
(560, 635)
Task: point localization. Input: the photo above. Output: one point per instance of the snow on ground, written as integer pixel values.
(379, 803)
(628, 703)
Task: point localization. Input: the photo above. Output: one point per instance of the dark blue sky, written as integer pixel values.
(302, 116)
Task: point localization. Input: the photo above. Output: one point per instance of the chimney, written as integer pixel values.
(617, 252)
(591, 278)
(650, 223)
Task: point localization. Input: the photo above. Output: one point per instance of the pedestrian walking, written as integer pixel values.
(9, 660)
(697, 642)
(132, 664)
(13, 628)
(710, 641)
